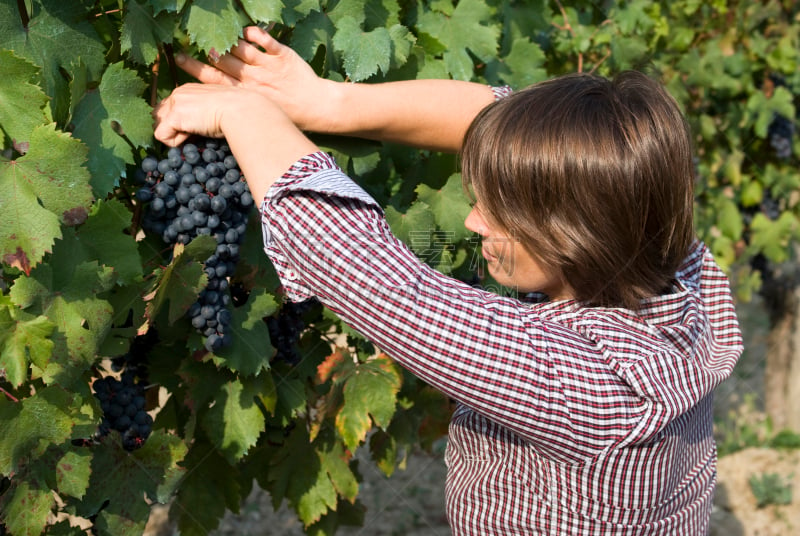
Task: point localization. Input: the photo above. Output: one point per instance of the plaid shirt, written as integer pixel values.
(571, 419)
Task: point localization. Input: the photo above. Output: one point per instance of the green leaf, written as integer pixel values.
(402, 44)
(772, 237)
(151, 472)
(370, 396)
(46, 186)
(450, 205)
(363, 52)
(24, 339)
(467, 29)
(235, 421)
(764, 109)
(70, 297)
(417, 221)
(295, 11)
(334, 461)
(56, 40)
(213, 25)
(28, 427)
(143, 32)
(263, 10)
(314, 31)
(523, 66)
(26, 505)
(22, 102)
(182, 280)
(171, 6)
(306, 485)
(251, 351)
(73, 469)
(196, 510)
(103, 116)
(104, 238)
(729, 219)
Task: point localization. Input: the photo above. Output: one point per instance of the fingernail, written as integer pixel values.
(180, 58)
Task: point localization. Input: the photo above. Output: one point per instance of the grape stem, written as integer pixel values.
(9, 395)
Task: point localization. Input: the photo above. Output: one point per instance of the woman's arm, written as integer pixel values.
(431, 114)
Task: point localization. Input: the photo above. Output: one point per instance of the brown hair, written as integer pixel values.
(594, 177)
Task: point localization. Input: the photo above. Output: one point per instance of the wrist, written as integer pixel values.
(333, 114)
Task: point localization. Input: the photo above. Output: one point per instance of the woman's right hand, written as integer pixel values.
(261, 63)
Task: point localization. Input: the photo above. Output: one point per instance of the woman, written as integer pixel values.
(588, 412)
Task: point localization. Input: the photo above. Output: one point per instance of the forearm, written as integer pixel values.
(265, 145)
(430, 114)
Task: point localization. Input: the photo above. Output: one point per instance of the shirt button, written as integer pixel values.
(290, 275)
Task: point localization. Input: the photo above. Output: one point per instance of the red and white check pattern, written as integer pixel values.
(571, 420)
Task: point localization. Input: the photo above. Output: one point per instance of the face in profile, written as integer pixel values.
(509, 263)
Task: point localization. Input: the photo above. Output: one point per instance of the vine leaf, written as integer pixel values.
(459, 30)
(449, 204)
(50, 417)
(127, 480)
(235, 421)
(197, 511)
(364, 52)
(26, 504)
(46, 186)
(103, 237)
(418, 222)
(53, 39)
(22, 102)
(311, 33)
(263, 10)
(523, 66)
(214, 25)
(170, 6)
(772, 237)
(251, 350)
(70, 297)
(369, 392)
(296, 10)
(335, 463)
(307, 486)
(182, 280)
(103, 115)
(24, 339)
(370, 396)
(143, 32)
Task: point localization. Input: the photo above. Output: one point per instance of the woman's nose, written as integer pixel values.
(475, 222)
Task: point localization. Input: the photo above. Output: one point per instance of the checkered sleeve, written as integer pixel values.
(328, 238)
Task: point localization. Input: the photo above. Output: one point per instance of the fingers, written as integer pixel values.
(203, 72)
(262, 38)
(230, 69)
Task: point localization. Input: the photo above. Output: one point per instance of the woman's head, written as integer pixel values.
(593, 177)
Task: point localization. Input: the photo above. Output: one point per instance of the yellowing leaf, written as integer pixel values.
(370, 395)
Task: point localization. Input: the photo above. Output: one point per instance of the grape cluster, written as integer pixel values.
(198, 189)
(287, 325)
(123, 406)
(781, 132)
(781, 129)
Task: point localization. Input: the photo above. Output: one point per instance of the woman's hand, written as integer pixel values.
(263, 139)
(261, 63)
(430, 114)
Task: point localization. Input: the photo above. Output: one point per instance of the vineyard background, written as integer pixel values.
(81, 280)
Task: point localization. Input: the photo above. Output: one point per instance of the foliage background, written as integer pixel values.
(80, 279)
